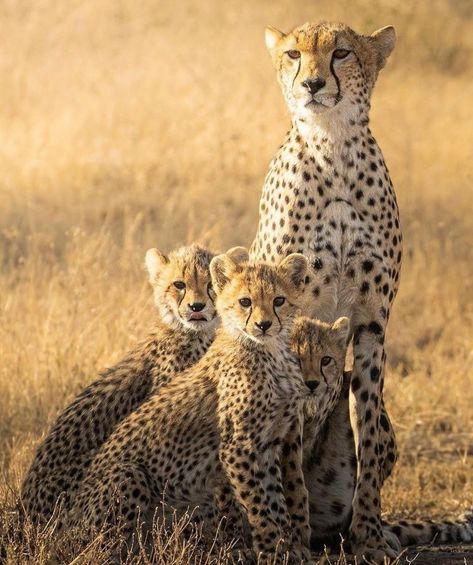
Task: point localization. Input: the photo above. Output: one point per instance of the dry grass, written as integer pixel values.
(131, 124)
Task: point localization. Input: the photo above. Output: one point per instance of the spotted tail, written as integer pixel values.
(429, 531)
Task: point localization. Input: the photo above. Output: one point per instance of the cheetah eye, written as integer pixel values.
(180, 285)
(245, 302)
(341, 53)
(325, 361)
(279, 301)
(293, 54)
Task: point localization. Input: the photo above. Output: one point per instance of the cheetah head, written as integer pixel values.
(182, 287)
(328, 67)
(258, 301)
(321, 349)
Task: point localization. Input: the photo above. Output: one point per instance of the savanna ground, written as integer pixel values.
(126, 125)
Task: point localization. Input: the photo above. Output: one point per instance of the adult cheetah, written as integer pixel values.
(328, 195)
(222, 426)
(181, 336)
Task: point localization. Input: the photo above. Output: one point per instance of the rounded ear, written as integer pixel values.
(294, 269)
(238, 254)
(384, 40)
(155, 260)
(342, 328)
(272, 36)
(222, 269)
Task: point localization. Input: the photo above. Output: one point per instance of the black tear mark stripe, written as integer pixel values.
(275, 313)
(179, 302)
(249, 316)
(297, 72)
(332, 70)
(209, 295)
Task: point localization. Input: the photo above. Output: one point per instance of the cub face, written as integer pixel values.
(327, 65)
(321, 349)
(182, 288)
(258, 301)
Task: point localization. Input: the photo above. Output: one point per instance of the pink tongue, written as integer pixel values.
(197, 316)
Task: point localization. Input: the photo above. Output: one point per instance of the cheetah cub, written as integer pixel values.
(185, 302)
(221, 425)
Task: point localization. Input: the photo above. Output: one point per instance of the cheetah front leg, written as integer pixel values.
(365, 407)
(295, 491)
(256, 481)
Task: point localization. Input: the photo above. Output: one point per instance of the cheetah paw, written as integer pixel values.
(392, 540)
(381, 554)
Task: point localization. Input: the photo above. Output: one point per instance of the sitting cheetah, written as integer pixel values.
(222, 426)
(329, 466)
(185, 301)
(328, 195)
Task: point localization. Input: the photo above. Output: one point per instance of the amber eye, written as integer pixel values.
(180, 285)
(293, 54)
(245, 302)
(341, 53)
(325, 361)
(279, 301)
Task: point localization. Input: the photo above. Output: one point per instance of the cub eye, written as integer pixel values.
(293, 54)
(325, 361)
(279, 301)
(180, 285)
(341, 53)
(245, 302)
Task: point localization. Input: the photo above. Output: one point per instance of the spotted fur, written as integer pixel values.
(328, 195)
(176, 342)
(231, 425)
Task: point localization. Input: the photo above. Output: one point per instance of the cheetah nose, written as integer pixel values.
(264, 325)
(314, 85)
(197, 306)
(312, 385)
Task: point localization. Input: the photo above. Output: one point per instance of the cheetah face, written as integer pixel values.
(182, 287)
(325, 66)
(321, 349)
(257, 301)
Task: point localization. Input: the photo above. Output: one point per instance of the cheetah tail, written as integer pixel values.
(416, 533)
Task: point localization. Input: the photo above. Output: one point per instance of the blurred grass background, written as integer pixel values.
(126, 125)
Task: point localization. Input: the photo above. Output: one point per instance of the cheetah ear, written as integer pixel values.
(222, 268)
(238, 254)
(294, 268)
(341, 327)
(383, 40)
(155, 261)
(272, 36)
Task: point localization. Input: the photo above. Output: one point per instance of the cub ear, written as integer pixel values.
(384, 40)
(155, 260)
(272, 36)
(294, 269)
(222, 268)
(238, 254)
(342, 329)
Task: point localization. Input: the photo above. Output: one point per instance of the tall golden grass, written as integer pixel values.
(126, 125)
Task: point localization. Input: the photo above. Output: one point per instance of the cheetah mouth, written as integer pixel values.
(323, 101)
(197, 317)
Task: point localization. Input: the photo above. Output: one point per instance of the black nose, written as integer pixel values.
(312, 385)
(313, 86)
(197, 306)
(264, 326)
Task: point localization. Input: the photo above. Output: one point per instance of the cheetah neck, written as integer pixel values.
(332, 141)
